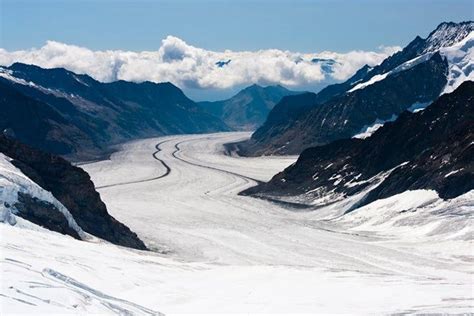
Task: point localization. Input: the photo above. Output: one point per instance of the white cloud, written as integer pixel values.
(191, 67)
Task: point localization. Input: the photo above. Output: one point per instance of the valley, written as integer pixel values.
(213, 250)
(237, 167)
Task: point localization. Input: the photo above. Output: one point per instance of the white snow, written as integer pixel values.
(367, 131)
(461, 63)
(369, 82)
(460, 57)
(418, 106)
(452, 172)
(224, 253)
(80, 81)
(416, 214)
(447, 35)
(8, 74)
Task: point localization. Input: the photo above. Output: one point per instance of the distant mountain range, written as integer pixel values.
(249, 108)
(409, 79)
(430, 149)
(69, 114)
(78, 117)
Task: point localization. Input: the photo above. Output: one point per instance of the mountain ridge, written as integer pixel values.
(429, 149)
(343, 100)
(249, 108)
(97, 115)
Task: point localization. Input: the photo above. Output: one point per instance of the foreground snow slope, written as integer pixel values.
(220, 252)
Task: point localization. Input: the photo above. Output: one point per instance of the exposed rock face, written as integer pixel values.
(78, 116)
(430, 149)
(43, 214)
(36, 123)
(341, 110)
(72, 187)
(249, 108)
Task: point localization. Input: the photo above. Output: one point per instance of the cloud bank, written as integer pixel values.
(196, 68)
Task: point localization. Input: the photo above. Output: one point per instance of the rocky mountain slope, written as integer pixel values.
(38, 124)
(415, 76)
(47, 190)
(249, 108)
(78, 116)
(431, 149)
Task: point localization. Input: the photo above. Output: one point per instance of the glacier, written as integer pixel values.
(215, 251)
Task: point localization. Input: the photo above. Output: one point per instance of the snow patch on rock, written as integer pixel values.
(459, 54)
(372, 80)
(13, 181)
(367, 131)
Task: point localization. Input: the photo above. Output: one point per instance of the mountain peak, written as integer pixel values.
(254, 86)
(447, 34)
(18, 66)
(51, 77)
(257, 87)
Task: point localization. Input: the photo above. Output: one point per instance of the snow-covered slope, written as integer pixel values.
(447, 34)
(45, 273)
(416, 215)
(456, 44)
(460, 58)
(13, 183)
(367, 131)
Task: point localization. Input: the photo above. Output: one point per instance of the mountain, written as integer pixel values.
(47, 190)
(78, 116)
(430, 149)
(38, 124)
(411, 78)
(249, 108)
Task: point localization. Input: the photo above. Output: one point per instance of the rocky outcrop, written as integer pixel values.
(72, 187)
(44, 214)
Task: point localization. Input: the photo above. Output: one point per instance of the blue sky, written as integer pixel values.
(304, 26)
